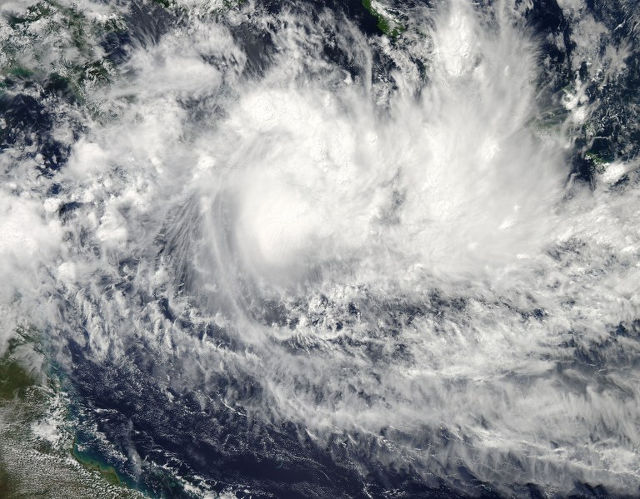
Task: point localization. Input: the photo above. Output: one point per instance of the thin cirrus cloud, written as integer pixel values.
(307, 187)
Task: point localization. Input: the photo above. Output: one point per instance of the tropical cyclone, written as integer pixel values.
(326, 249)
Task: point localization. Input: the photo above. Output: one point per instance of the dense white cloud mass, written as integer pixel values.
(406, 262)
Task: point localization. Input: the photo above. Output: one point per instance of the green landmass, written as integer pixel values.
(60, 52)
(31, 465)
(14, 380)
(385, 24)
(595, 158)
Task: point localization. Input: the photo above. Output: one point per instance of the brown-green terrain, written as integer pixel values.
(38, 457)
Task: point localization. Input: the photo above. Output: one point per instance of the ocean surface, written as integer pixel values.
(373, 248)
